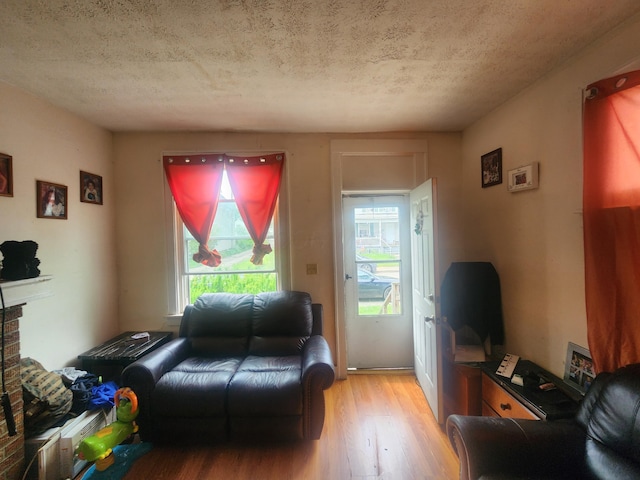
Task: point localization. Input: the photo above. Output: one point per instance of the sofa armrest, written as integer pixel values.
(143, 374)
(317, 362)
(318, 374)
(513, 448)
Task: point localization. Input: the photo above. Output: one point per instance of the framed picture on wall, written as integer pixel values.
(90, 188)
(523, 178)
(491, 168)
(51, 200)
(6, 175)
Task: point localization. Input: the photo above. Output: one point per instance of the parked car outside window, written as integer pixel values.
(369, 266)
(372, 286)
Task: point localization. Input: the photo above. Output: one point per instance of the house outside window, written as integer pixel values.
(378, 230)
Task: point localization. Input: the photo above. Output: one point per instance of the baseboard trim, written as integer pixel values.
(380, 371)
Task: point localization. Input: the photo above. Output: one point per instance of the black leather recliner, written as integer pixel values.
(243, 367)
(601, 442)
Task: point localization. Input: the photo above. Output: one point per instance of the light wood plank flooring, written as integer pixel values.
(376, 427)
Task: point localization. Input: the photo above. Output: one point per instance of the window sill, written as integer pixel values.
(173, 320)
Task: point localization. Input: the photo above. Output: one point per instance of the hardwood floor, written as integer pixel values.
(376, 427)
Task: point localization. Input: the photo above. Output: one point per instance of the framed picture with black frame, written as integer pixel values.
(491, 168)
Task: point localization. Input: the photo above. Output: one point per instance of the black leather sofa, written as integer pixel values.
(243, 367)
(601, 442)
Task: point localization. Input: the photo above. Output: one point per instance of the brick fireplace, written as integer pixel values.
(16, 294)
(12, 448)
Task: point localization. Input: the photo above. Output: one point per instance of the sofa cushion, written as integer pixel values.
(195, 387)
(281, 323)
(266, 386)
(218, 324)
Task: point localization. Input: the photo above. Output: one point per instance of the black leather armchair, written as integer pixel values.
(601, 442)
(244, 366)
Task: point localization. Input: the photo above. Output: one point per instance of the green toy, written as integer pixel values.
(99, 446)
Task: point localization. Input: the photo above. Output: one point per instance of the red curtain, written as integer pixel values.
(611, 206)
(195, 182)
(255, 182)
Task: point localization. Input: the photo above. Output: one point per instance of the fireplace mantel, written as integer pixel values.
(18, 292)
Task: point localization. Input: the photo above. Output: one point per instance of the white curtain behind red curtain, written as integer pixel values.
(611, 207)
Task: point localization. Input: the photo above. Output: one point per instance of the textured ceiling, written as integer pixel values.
(291, 66)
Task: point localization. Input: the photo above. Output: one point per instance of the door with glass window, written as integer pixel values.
(377, 281)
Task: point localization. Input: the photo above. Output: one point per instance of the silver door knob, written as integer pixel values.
(430, 319)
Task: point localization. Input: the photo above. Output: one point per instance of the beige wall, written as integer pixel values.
(139, 191)
(534, 238)
(48, 143)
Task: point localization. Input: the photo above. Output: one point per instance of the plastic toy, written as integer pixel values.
(99, 446)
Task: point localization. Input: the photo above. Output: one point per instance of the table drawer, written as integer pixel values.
(502, 402)
(487, 411)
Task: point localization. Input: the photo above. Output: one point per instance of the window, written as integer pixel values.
(229, 236)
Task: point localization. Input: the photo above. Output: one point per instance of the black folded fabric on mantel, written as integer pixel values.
(470, 295)
(19, 260)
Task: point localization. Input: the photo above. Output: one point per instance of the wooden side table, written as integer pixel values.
(497, 402)
(110, 358)
(502, 398)
(462, 392)
(466, 390)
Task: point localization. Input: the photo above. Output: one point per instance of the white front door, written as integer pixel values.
(425, 292)
(377, 281)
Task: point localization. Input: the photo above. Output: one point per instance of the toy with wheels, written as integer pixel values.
(99, 446)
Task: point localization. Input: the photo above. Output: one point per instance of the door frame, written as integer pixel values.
(342, 151)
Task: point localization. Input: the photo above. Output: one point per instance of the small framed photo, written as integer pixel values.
(6, 175)
(51, 200)
(90, 188)
(491, 168)
(523, 178)
(578, 368)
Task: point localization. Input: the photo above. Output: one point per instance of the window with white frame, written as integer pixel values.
(229, 236)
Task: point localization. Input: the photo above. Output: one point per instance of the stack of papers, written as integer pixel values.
(469, 353)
